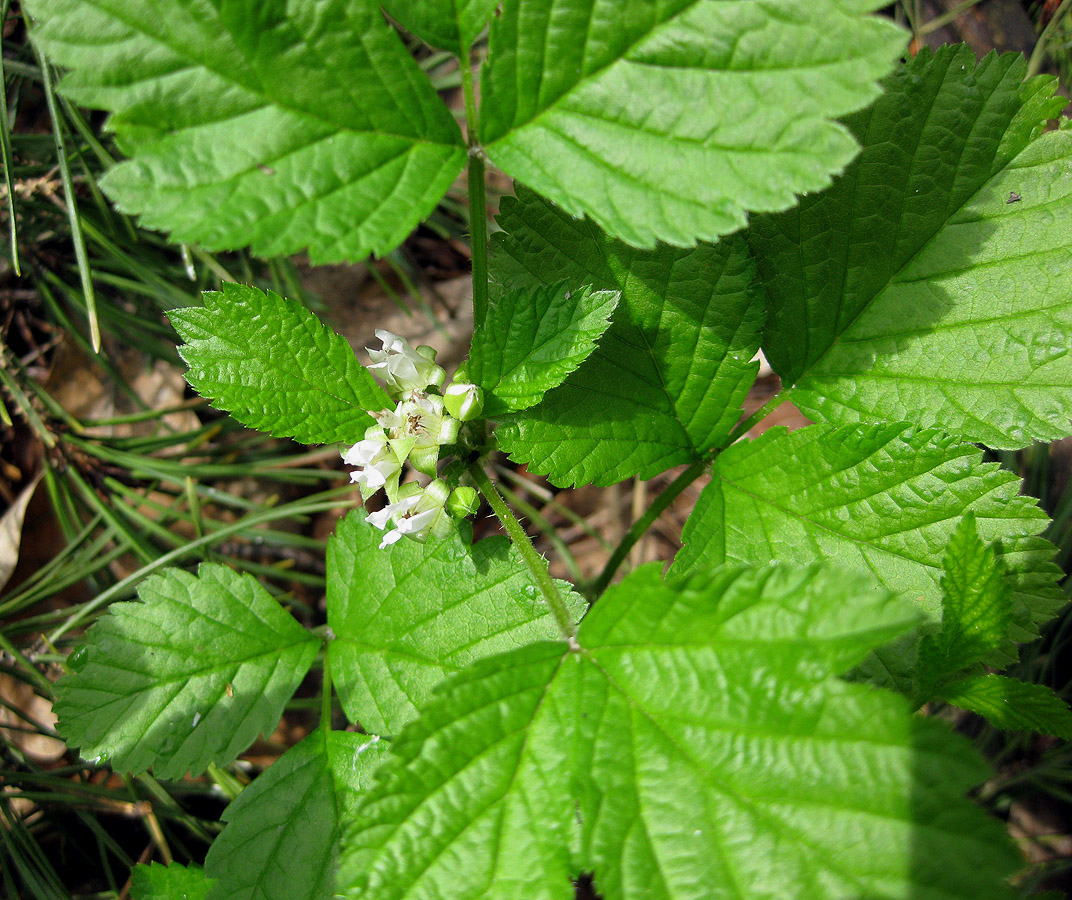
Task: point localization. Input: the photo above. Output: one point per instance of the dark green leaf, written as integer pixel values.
(274, 124)
(532, 339)
(274, 366)
(186, 677)
(406, 616)
(930, 283)
(696, 746)
(977, 608)
(1010, 704)
(885, 500)
(282, 831)
(668, 121)
(666, 382)
(450, 24)
(170, 882)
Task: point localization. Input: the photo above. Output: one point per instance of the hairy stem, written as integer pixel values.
(537, 565)
(478, 203)
(641, 525)
(659, 505)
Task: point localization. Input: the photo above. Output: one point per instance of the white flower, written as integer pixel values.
(417, 514)
(402, 368)
(418, 427)
(376, 460)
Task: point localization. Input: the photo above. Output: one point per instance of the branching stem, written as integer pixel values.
(659, 505)
(537, 565)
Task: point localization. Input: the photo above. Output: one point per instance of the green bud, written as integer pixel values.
(464, 401)
(425, 459)
(464, 501)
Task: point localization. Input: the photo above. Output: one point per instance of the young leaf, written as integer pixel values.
(930, 282)
(668, 121)
(186, 677)
(1010, 704)
(977, 607)
(883, 499)
(639, 404)
(276, 367)
(282, 832)
(450, 24)
(171, 882)
(406, 616)
(265, 123)
(697, 745)
(532, 339)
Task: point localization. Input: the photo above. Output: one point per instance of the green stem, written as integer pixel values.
(537, 565)
(659, 505)
(641, 525)
(1034, 64)
(478, 201)
(325, 693)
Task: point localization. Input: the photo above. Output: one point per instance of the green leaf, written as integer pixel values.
(273, 124)
(186, 677)
(408, 615)
(276, 367)
(640, 404)
(883, 499)
(281, 839)
(532, 339)
(668, 121)
(696, 746)
(930, 283)
(977, 607)
(171, 882)
(1011, 705)
(450, 24)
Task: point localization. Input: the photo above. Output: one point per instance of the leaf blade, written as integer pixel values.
(187, 676)
(407, 616)
(280, 841)
(531, 341)
(242, 133)
(916, 287)
(638, 405)
(274, 366)
(1010, 704)
(884, 500)
(602, 106)
(528, 752)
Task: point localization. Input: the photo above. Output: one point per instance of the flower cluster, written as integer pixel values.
(422, 422)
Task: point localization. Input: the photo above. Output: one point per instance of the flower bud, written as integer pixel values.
(464, 401)
(464, 501)
(425, 459)
(402, 368)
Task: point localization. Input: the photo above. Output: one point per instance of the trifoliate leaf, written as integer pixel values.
(186, 677)
(697, 746)
(282, 833)
(977, 608)
(929, 284)
(408, 615)
(668, 121)
(532, 339)
(171, 882)
(266, 123)
(639, 404)
(1010, 704)
(885, 500)
(450, 24)
(276, 367)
